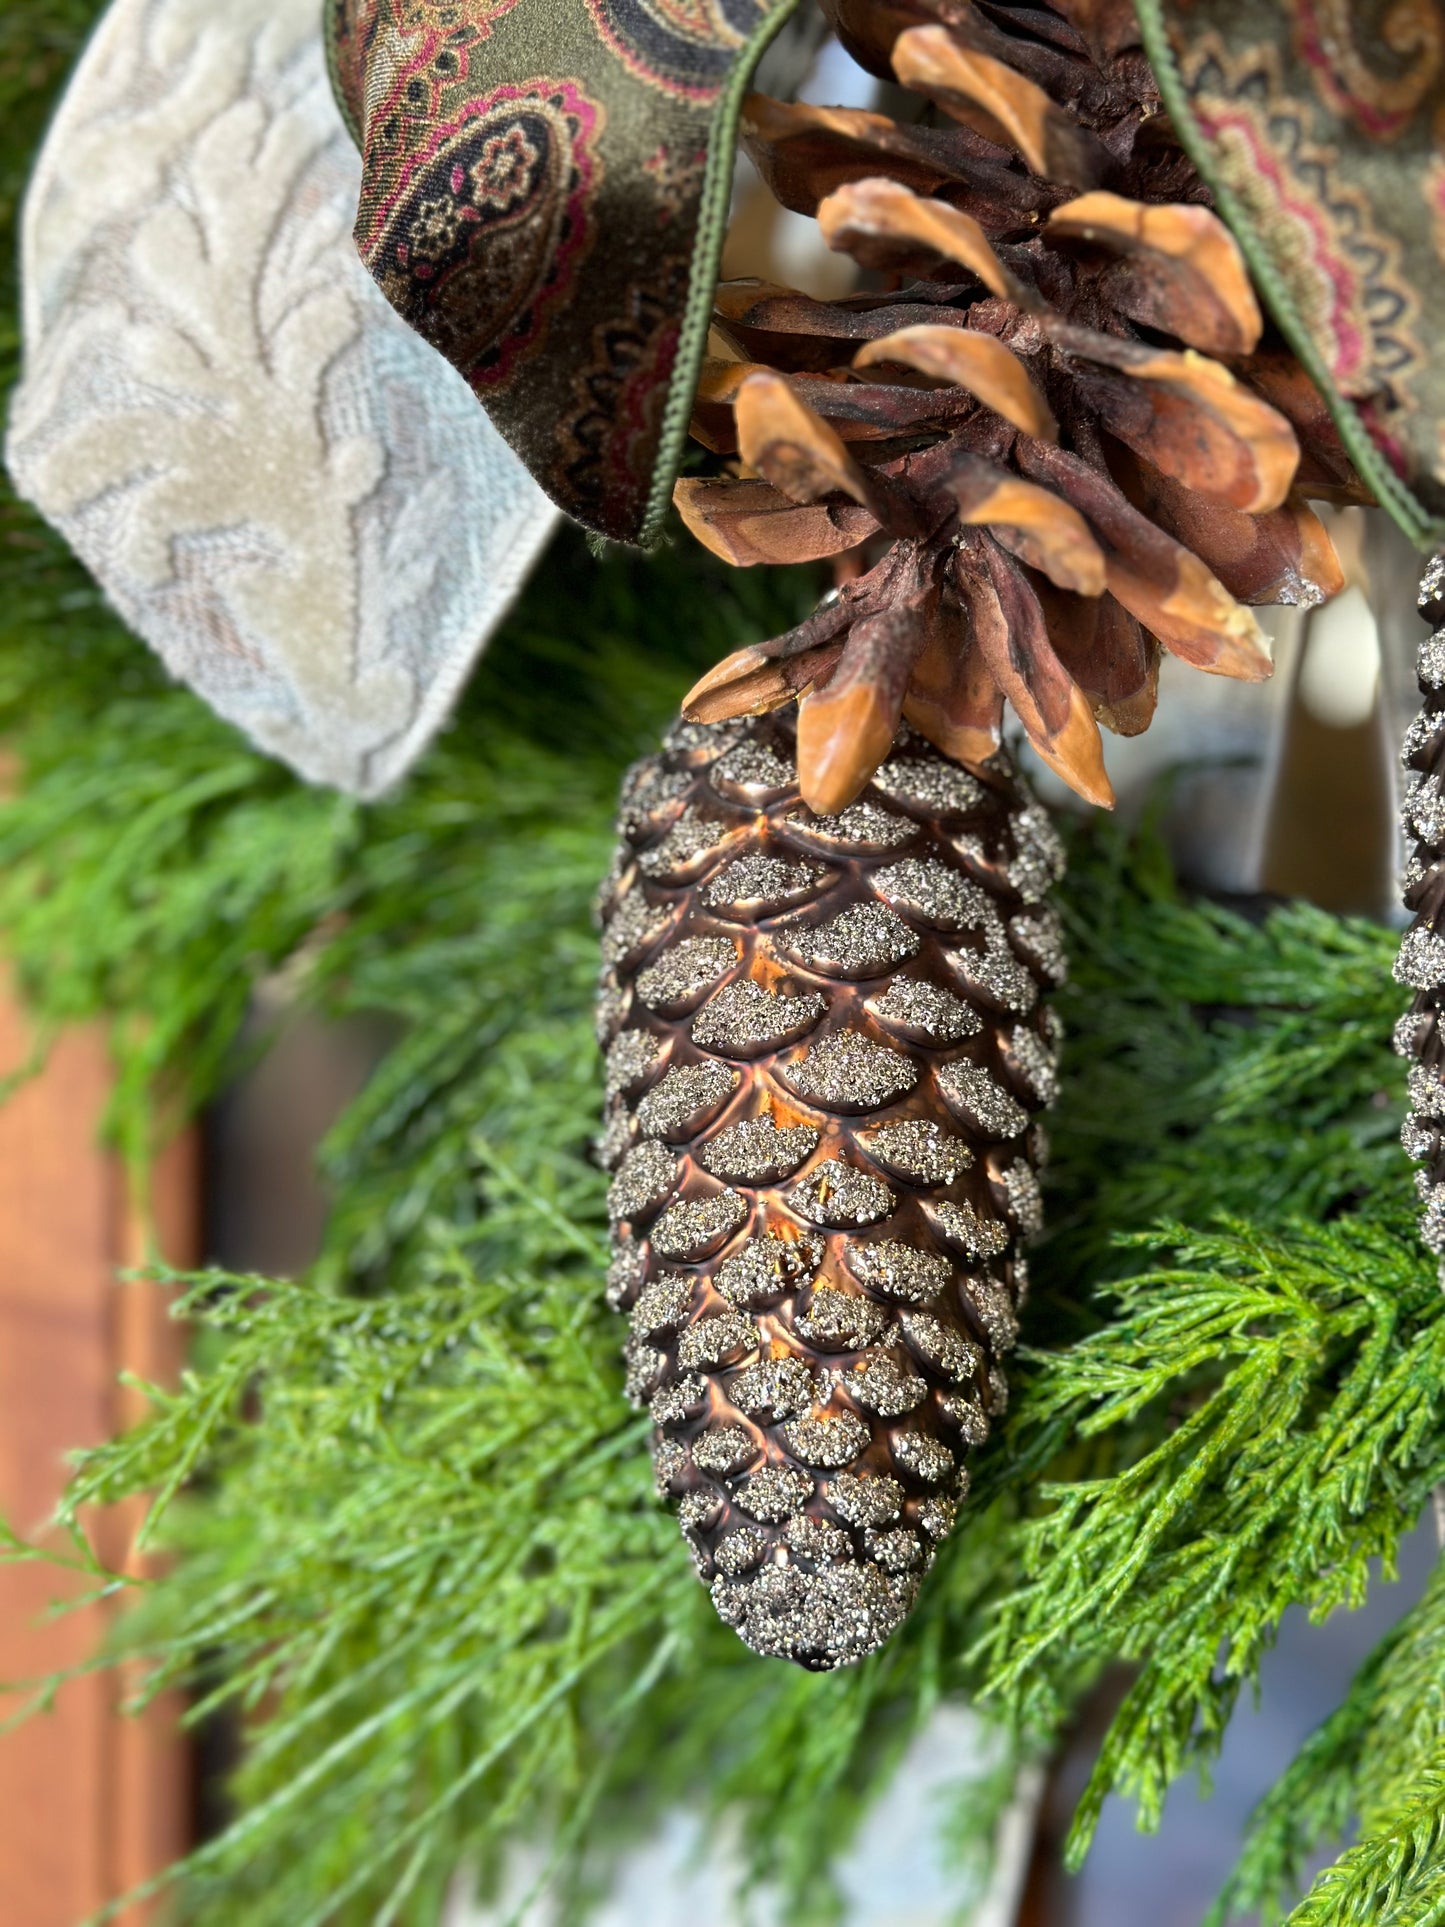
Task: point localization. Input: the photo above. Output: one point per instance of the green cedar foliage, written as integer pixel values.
(415, 1550)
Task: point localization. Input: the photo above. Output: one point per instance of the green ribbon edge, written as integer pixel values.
(333, 70)
(1409, 514)
(712, 223)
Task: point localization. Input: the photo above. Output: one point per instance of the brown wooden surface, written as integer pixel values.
(90, 1801)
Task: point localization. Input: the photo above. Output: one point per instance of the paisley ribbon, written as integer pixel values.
(545, 190)
(1320, 126)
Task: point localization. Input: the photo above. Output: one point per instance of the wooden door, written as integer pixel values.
(91, 1801)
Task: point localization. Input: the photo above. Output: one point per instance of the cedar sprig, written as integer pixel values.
(1298, 1380)
(1394, 1877)
(1370, 1758)
(413, 912)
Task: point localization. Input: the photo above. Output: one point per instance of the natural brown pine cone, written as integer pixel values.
(825, 1047)
(1070, 437)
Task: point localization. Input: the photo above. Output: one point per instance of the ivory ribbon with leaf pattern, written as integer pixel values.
(274, 480)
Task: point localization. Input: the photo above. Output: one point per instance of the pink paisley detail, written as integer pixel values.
(702, 95)
(691, 17)
(690, 23)
(1315, 53)
(575, 103)
(578, 107)
(434, 40)
(419, 63)
(1347, 348)
(479, 19)
(1313, 43)
(377, 116)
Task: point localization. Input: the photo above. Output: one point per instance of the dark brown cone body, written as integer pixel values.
(825, 1047)
(1421, 963)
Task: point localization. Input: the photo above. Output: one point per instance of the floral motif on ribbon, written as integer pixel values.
(481, 239)
(1343, 271)
(422, 48)
(1374, 62)
(532, 202)
(1324, 126)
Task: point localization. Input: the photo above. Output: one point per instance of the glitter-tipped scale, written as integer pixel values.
(826, 1044)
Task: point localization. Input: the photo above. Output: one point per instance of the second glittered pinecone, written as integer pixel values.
(1420, 965)
(826, 1047)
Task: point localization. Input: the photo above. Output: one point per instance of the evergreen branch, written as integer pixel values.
(1299, 1379)
(1371, 1757)
(1395, 1877)
(1405, 1732)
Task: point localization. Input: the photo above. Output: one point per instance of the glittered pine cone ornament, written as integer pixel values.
(826, 1047)
(1053, 430)
(1420, 965)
